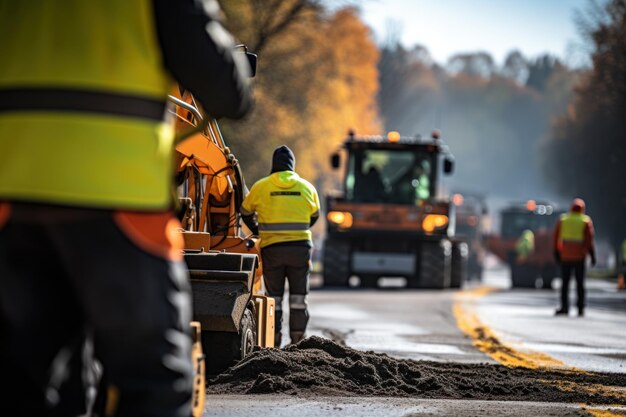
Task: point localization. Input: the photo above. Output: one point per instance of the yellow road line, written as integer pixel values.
(486, 340)
(605, 411)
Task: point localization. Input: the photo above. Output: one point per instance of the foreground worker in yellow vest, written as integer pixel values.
(87, 237)
(286, 207)
(573, 240)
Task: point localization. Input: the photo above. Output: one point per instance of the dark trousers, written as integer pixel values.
(64, 272)
(579, 273)
(294, 264)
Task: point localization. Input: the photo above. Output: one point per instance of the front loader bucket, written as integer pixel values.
(221, 287)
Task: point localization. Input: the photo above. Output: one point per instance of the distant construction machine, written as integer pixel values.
(389, 220)
(540, 219)
(471, 211)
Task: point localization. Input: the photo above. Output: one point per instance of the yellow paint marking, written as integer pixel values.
(487, 341)
(607, 391)
(605, 411)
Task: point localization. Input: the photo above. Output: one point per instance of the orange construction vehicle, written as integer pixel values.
(389, 221)
(224, 265)
(470, 213)
(539, 218)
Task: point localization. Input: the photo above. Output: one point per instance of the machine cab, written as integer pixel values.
(392, 170)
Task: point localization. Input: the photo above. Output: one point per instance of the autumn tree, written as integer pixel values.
(317, 77)
(515, 67)
(585, 156)
(479, 64)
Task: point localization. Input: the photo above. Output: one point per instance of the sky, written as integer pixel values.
(447, 27)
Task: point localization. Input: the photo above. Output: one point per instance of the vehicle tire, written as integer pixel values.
(459, 264)
(523, 276)
(434, 265)
(336, 263)
(225, 349)
(548, 273)
(478, 273)
(474, 268)
(369, 281)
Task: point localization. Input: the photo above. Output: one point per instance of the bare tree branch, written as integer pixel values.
(272, 20)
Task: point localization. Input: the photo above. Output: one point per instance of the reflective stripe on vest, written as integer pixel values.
(284, 204)
(573, 227)
(82, 108)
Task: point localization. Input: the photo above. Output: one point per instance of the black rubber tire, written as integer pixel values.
(478, 273)
(369, 281)
(548, 273)
(459, 264)
(225, 349)
(523, 276)
(434, 265)
(474, 268)
(336, 263)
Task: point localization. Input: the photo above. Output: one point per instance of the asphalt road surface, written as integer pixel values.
(441, 326)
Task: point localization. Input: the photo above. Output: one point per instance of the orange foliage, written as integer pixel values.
(316, 79)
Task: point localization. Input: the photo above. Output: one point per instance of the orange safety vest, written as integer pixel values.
(573, 237)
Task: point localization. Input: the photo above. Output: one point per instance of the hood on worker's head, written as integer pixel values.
(283, 160)
(284, 179)
(578, 206)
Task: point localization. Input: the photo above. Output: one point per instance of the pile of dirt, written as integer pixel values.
(318, 366)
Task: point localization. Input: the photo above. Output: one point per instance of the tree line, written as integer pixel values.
(529, 128)
(316, 77)
(585, 154)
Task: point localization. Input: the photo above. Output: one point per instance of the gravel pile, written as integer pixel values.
(318, 366)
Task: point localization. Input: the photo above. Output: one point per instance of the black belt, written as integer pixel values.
(84, 101)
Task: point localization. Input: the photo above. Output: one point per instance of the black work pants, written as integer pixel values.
(294, 264)
(66, 271)
(579, 272)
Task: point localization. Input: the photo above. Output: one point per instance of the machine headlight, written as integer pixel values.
(434, 221)
(342, 219)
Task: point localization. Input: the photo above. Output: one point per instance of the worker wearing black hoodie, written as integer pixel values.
(286, 207)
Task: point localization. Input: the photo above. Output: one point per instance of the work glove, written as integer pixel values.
(557, 256)
(593, 259)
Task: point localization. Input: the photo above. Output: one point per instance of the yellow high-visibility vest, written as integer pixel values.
(82, 100)
(573, 227)
(284, 204)
(525, 245)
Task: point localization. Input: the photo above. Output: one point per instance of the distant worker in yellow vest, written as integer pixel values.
(87, 235)
(573, 241)
(286, 207)
(525, 245)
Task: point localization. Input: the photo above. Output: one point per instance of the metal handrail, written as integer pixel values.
(201, 122)
(185, 106)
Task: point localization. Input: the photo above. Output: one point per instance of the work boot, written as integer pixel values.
(561, 312)
(296, 337)
(581, 312)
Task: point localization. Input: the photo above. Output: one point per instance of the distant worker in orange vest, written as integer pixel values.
(573, 240)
